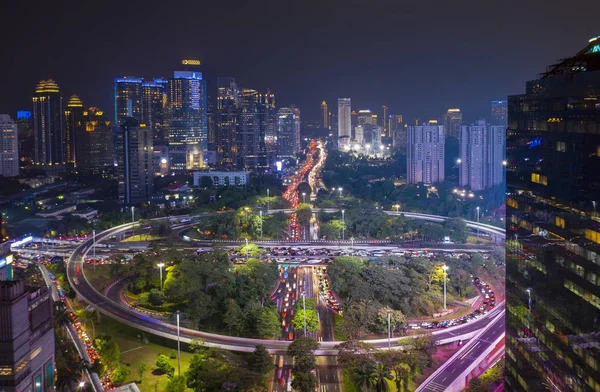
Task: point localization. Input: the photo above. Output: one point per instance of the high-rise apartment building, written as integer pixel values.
(324, 116)
(187, 123)
(226, 123)
(26, 338)
(73, 117)
(127, 99)
(49, 128)
(398, 131)
(94, 147)
(452, 121)
(252, 153)
(425, 154)
(270, 124)
(25, 133)
(553, 266)
(134, 162)
(153, 106)
(9, 147)
(364, 119)
(499, 112)
(288, 135)
(344, 122)
(384, 121)
(482, 149)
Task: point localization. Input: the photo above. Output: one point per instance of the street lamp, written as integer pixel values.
(445, 268)
(516, 243)
(132, 215)
(261, 221)
(246, 249)
(160, 267)
(343, 225)
(529, 296)
(268, 199)
(352, 239)
(304, 306)
(389, 313)
(178, 347)
(477, 224)
(340, 190)
(303, 197)
(397, 207)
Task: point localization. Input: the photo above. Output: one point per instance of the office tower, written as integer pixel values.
(288, 135)
(152, 108)
(252, 152)
(344, 122)
(73, 117)
(134, 162)
(49, 128)
(270, 123)
(452, 121)
(187, 106)
(324, 116)
(160, 159)
(9, 147)
(226, 123)
(25, 135)
(425, 157)
(26, 338)
(127, 99)
(398, 130)
(499, 113)
(384, 120)
(359, 134)
(94, 147)
(552, 283)
(364, 119)
(496, 155)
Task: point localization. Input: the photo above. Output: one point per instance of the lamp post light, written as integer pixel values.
(445, 268)
(261, 222)
(352, 239)
(246, 249)
(268, 199)
(132, 215)
(343, 225)
(81, 384)
(477, 224)
(389, 314)
(397, 207)
(340, 190)
(178, 347)
(529, 298)
(160, 267)
(304, 306)
(516, 244)
(303, 197)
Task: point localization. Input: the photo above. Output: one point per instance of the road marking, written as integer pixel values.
(133, 349)
(471, 349)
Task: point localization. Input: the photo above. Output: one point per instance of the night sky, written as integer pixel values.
(417, 57)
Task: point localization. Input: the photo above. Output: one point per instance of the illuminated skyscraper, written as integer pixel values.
(499, 112)
(252, 152)
(49, 128)
(270, 124)
(128, 99)
(344, 122)
(452, 121)
(134, 162)
(288, 136)
(9, 147)
(73, 116)
(324, 115)
(398, 131)
(553, 261)
(384, 121)
(187, 125)
(425, 157)
(25, 132)
(94, 147)
(226, 123)
(152, 109)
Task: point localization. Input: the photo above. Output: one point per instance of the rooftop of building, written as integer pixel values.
(586, 60)
(47, 86)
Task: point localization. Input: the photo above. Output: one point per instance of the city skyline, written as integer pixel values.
(370, 83)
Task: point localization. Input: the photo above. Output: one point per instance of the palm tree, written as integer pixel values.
(403, 374)
(363, 377)
(60, 313)
(381, 373)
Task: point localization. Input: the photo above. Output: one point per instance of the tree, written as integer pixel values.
(358, 317)
(233, 316)
(353, 354)
(141, 369)
(267, 323)
(260, 361)
(164, 365)
(176, 384)
(206, 182)
(303, 352)
(120, 375)
(397, 318)
(156, 297)
(477, 259)
(108, 350)
(403, 374)
(363, 377)
(381, 373)
(426, 345)
(475, 385)
(312, 321)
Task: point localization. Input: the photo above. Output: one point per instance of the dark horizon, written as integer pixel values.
(416, 59)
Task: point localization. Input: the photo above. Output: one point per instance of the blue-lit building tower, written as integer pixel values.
(186, 118)
(127, 99)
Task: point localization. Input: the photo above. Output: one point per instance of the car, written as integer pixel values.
(291, 336)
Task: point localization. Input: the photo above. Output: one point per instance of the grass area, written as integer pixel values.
(134, 352)
(348, 384)
(338, 322)
(141, 237)
(99, 279)
(472, 239)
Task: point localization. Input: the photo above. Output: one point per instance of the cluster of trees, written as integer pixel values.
(215, 369)
(370, 369)
(243, 223)
(303, 373)
(488, 380)
(312, 320)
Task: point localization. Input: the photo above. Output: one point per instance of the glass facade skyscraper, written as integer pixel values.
(128, 99)
(553, 260)
(50, 153)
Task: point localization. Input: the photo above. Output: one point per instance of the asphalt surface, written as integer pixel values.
(458, 365)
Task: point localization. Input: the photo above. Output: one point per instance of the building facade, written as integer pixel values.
(499, 114)
(153, 105)
(134, 162)
(73, 117)
(452, 121)
(344, 122)
(482, 152)
(251, 132)
(324, 116)
(25, 134)
(26, 338)
(553, 261)
(223, 178)
(425, 154)
(94, 147)
(127, 99)
(226, 123)
(9, 147)
(288, 135)
(50, 153)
